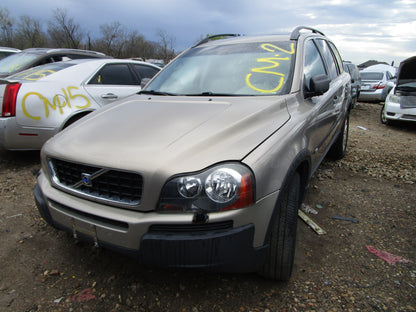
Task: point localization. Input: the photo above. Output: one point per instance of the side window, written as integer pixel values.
(114, 74)
(144, 71)
(338, 57)
(356, 73)
(313, 63)
(329, 59)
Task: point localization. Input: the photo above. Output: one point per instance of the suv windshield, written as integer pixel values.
(14, 62)
(260, 68)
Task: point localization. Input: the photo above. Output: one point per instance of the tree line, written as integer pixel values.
(63, 32)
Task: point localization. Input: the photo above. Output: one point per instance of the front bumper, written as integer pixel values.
(224, 250)
(163, 240)
(393, 111)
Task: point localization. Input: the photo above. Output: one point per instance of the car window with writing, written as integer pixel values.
(39, 72)
(255, 68)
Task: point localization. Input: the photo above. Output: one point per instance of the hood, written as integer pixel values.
(407, 71)
(170, 134)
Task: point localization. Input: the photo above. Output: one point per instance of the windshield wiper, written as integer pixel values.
(154, 92)
(209, 93)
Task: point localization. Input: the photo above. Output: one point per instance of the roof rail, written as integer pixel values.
(296, 32)
(215, 37)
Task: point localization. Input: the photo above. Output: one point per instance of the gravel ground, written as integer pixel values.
(366, 199)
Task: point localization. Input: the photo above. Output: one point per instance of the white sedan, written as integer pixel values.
(39, 102)
(400, 104)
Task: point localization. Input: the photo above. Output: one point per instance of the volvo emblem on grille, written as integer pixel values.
(86, 178)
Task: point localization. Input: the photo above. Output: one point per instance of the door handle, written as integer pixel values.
(109, 96)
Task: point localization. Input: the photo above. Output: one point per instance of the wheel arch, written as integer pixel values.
(302, 165)
(73, 118)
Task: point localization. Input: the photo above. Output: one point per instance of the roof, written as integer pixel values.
(53, 50)
(294, 35)
(9, 49)
(381, 68)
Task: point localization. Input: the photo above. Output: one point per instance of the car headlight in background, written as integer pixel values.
(393, 98)
(222, 187)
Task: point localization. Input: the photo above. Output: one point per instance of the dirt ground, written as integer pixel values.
(367, 199)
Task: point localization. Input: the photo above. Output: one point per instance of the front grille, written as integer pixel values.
(191, 228)
(412, 117)
(99, 184)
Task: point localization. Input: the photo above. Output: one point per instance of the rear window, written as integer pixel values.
(371, 76)
(15, 62)
(39, 72)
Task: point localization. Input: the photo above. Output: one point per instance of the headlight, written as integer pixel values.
(393, 98)
(223, 187)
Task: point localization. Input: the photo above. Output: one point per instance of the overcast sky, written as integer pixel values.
(361, 29)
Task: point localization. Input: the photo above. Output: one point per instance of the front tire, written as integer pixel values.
(282, 241)
(384, 120)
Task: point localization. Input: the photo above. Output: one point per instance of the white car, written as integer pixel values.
(39, 102)
(400, 104)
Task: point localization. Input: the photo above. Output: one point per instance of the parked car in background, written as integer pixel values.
(352, 69)
(4, 51)
(376, 82)
(400, 104)
(207, 166)
(39, 102)
(38, 56)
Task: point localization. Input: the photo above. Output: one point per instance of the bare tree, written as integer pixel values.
(166, 46)
(6, 28)
(29, 33)
(63, 31)
(113, 39)
(138, 46)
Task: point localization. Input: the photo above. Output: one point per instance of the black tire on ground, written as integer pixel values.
(354, 99)
(354, 102)
(339, 147)
(282, 241)
(383, 118)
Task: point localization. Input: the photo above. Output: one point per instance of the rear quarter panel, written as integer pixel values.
(50, 104)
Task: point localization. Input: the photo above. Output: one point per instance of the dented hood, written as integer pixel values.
(171, 134)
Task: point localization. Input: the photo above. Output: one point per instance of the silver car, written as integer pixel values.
(400, 104)
(5, 51)
(37, 103)
(33, 57)
(207, 167)
(376, 83)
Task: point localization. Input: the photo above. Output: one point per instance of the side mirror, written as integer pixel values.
(144, 82)
(318, 85)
